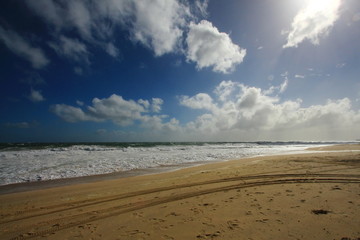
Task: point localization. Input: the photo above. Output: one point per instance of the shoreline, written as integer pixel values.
(61, 182)
(55, 161)
(301, 196)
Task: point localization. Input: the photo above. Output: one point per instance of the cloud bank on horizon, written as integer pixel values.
(233, 110)
(77, 32)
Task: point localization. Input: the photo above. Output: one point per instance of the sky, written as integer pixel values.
(178, 70)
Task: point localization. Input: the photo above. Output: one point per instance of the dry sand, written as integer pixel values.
(307, 196)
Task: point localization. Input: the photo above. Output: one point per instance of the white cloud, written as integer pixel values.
(313, 21)
(299, 76)
(116, 109)
(208, 47)
(68, 15)
(250, 111)
(112, 50)
(156, 124)
(199, 101)
(36, 96)
(22, 48)
(159, 25)
(224, 90)
(278, 89)
(80, 16)
(235, 112)
(202, 6)
(72, 114)
(144, 103)
(50, 11)
(284, 86)
(156, 104)
(156, 24)
(71, 48)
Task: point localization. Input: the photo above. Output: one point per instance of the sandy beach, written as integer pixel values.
(303, 196)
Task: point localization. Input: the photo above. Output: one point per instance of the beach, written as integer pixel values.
(312, 195)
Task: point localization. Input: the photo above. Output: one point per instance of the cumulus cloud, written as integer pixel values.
(224, 90)
(158, 24)
(313, 22)
(18, 45)
(208, 47)
(36, 96)
(233, 111)
(72, 114)
(199, 101)
(116, 109)
(242, 109)
(156, 104)
(157, 125)
(163, 26)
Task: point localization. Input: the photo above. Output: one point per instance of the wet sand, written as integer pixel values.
(305, 196)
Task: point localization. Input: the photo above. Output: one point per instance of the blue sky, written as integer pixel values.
(176, 70)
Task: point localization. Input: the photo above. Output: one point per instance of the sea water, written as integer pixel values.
(28, 162)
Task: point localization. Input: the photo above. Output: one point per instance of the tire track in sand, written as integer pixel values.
(46, 210)
(40, 228)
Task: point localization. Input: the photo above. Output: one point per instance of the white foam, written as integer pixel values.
(84, 160)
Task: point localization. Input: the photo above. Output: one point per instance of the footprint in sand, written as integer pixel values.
(208, 235)
(166, 237)
(233, 224)
(173, 214)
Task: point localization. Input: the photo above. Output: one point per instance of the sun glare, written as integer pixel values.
(322, 5)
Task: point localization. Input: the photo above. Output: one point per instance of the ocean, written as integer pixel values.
(32, 162)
